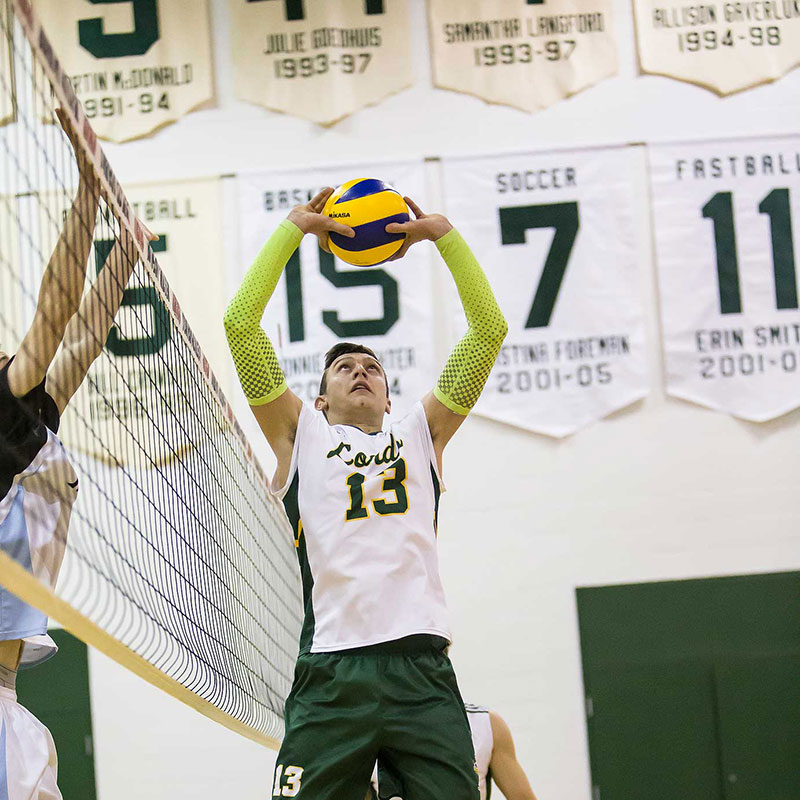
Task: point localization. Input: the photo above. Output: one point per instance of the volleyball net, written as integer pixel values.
(178, 563)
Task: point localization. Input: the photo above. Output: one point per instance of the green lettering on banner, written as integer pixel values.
(776, 205)
(719, 209)
(144, 35)
(294, 299)
(139, 296)
(295, 9)
(563, 217)
(361, 277)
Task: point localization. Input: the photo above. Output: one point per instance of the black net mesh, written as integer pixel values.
(174, 546)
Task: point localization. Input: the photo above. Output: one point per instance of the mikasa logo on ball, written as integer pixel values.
(337, 215)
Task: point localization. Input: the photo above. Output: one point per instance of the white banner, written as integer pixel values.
(519, 53)
(321, 300)
(726, 218)
(320, 59)
(555, 233)
(723, 46)
(136, 65)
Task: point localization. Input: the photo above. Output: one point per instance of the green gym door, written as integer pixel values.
(57, 692)
(693, 688)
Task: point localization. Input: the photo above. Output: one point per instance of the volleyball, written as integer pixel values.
(367, 205)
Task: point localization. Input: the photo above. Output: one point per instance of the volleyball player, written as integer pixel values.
(372, 678)
(495, 756)
(38, 485)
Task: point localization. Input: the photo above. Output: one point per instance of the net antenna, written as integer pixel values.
(178, 563)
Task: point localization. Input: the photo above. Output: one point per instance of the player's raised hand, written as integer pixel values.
(310, 219)
(84, 169)
(424, 226)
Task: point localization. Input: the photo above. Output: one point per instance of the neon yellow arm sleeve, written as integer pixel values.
(472, 359)
(259, 371)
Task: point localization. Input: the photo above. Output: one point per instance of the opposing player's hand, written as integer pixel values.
(424, 227)
(310, 219)
(85, 171)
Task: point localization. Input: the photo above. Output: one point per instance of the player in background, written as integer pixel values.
(38, 485)
(495, 756)
(372, 677)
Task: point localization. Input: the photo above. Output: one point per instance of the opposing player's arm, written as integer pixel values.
(62, 283)
(471, 361)
(88, 330)
(275, 406)
(506, 771)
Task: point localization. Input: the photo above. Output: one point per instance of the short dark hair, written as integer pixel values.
(341, 349)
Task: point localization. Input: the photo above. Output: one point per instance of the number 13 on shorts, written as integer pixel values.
(287, 781)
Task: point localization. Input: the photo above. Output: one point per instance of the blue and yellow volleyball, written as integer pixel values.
(367, 205)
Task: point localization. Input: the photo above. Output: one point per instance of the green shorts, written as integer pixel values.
(397, 701)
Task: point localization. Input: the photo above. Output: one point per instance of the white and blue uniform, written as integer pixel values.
(28, 762)
(38, 487)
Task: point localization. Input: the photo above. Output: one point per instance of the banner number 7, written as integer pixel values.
(563, 217)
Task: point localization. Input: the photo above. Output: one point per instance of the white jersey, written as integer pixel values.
(363, 508)
(480, 725)
(28, 759)
(38, 487)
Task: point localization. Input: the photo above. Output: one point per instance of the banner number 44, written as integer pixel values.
(296, 10)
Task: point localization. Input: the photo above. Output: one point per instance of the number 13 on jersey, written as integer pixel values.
(556, 234)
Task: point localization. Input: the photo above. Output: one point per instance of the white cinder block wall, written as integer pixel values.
(658, 491)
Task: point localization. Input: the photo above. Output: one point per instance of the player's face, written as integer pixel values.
(355, 390)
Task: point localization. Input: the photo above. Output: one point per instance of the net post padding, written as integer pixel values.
(19, 581)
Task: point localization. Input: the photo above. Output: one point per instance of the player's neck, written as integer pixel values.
(367, 425)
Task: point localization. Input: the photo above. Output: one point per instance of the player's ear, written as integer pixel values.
(388, 409)
(321, 403)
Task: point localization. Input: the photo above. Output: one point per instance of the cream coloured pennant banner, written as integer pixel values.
(725, 47)
(132, 377)
(521, 53)
(726, 217)
(555, 234)
(320, 59)
(136, 65)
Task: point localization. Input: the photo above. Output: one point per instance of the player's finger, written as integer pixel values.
(148, 234)
(399, 227)
(323, 242)
(338, 227)
(418, 212)
(318, 200)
